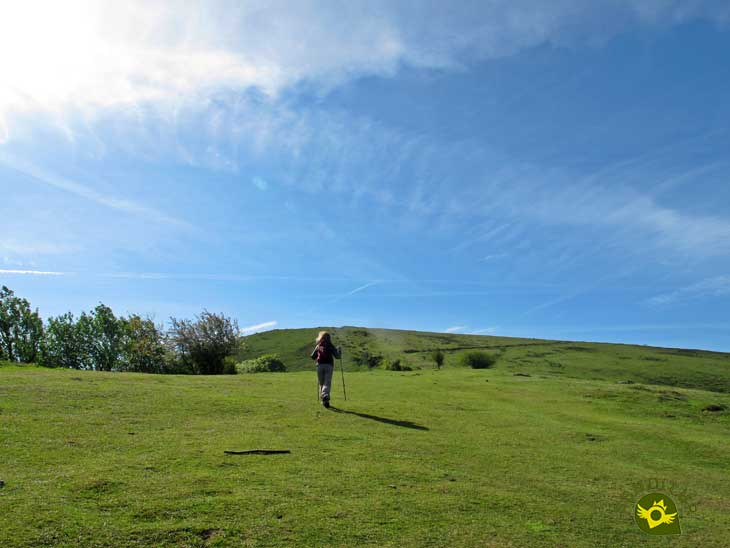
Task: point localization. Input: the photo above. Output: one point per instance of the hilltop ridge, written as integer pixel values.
(608, 361)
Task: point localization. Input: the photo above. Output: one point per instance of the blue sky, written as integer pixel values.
(533, 169)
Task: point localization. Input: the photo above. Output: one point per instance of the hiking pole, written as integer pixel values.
(342, 370)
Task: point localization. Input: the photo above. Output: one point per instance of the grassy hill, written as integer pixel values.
(426, 458)
(616, 362)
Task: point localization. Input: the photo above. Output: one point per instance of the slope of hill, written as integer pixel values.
(616, 362)
(422, 459)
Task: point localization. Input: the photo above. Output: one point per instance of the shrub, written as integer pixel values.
(229, 366)
(395, 365)
(203, 344)
(370, 360)
(268, 363)
(438, 357)
(477, 359)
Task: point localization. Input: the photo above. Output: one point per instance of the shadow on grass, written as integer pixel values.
(394, 422)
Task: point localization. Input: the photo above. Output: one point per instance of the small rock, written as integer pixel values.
(392, 486)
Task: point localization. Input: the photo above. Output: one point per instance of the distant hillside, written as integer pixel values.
(618, 362)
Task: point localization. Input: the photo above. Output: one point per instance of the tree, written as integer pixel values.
(21, 330)
(62, 344)
(143, 347)
(438, 357)
(203, 344)
(101, 337)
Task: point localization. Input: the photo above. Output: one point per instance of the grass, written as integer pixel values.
(599, 361)
(428, 458)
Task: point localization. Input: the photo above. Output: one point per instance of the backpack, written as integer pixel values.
(324, 354)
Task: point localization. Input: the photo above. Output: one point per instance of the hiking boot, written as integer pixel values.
(326, 403)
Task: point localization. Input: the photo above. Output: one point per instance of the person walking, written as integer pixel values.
(324, 354)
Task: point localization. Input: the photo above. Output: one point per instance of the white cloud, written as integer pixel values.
(84, 54)
(718, 286)
(362, 288)
(31, 273)
(454, 329)
(485, 331)
(258, 327)
(492, 257)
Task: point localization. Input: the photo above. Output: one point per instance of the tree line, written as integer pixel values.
(101, 341)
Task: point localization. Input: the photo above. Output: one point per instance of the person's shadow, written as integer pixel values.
(394, 422)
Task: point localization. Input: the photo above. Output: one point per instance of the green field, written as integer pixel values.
(426, 458)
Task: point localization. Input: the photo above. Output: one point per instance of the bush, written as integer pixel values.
(438, 357)
(203, 344)
(229, 366)
(268, 363)
(395, 365)
(476, 359)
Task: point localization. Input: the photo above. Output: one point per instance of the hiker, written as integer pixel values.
(324, 354)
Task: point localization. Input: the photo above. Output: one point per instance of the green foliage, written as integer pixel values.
(395, 365)
(21, 329)
(62, 344)
(203, 344)
(268, 363)
(103, 338)
(438, 357)
(143, 348)
(477, 359)
(367, 359)
(229, 366)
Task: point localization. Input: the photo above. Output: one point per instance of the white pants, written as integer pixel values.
(324, 376)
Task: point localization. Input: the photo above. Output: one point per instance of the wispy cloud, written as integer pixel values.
(362, 288)
(644, 327)
(258, 327)
(485, 331)
(220, 276)
(503, 207)
(718, 286)
(177, 49)
(119, 204)
(454, 329)
(32, 273)
(575, 292)
(492, 257)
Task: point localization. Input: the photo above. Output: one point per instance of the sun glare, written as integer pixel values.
(47, 51)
